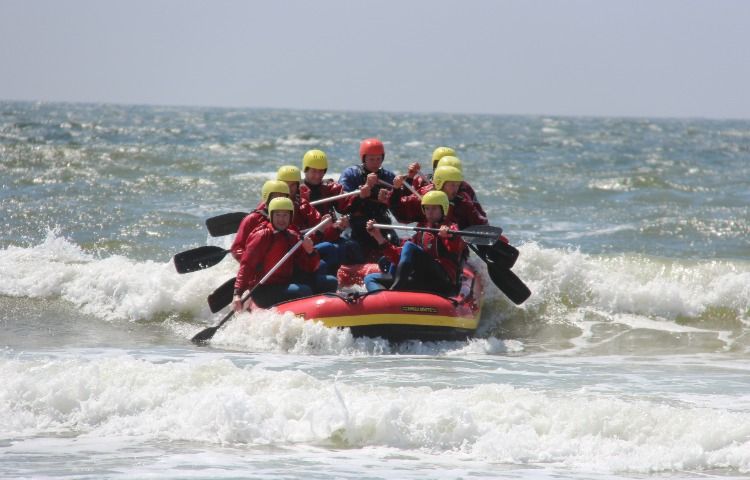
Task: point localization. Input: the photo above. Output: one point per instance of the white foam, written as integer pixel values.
(217, 402)
(112, 288)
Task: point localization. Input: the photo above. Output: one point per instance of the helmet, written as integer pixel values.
(289, 173)
(315, 159)
(280, 204)
(371, 146)
(446, 174)
(439, 153)
(450, 161)
(436, 197)
(273, 186)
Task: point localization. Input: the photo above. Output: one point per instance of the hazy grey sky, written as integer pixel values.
(677, 58)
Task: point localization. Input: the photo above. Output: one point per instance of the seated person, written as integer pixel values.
(421, 180)
(371, 203)
(267, 245)
(271, 189)
(450, 161)
(462, 210)
(427, 261)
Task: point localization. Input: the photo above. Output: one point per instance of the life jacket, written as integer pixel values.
(327, 188)
(436, 248)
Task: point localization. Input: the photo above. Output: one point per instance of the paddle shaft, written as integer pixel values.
(436, 230)
(335, 197)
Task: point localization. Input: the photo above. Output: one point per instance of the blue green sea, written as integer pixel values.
(630, 359)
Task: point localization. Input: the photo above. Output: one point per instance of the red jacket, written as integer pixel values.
(265, 247)
(419, 182)
(462, 211)
(328, 188)
(306, 216)
(253, 220)
(446, 251)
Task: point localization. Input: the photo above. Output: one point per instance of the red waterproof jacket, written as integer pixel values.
(265, 247)
(446, 251)
(419, 182)
(306, 216)
(328, 188)
(462, 211)
(253, 220)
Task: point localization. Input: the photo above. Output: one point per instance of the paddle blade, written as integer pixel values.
(509, 283)
(488, 234)
(198, 259)
(222, 296)
(226, 224)
(501, 254)
(204, 335)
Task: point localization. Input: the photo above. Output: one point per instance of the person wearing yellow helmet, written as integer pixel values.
(315, 187)
(463, 210)
(271, 189)
(427, 261)
(266, 246)
(451, 161)
(419, 180)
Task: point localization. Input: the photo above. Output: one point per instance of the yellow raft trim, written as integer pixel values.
(400, 319)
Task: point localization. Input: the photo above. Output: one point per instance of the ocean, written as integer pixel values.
(630, 359)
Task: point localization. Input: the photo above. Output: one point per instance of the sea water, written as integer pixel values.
(630, 359)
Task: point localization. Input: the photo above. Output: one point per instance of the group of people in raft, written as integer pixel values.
(426, 261)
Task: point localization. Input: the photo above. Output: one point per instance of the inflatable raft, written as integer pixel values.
(397, 315)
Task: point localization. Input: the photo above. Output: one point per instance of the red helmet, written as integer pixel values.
(371, 146)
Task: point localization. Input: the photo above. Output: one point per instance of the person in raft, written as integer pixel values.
(462, 210)
(419, 180)
(426, 261)
(451, 161)
(270, 190)
(265, 247)
(372, 201)
(315, 187)
(306, 216)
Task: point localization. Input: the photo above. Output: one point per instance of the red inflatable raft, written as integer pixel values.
(397, 315)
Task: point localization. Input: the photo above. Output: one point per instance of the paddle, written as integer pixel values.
(478, 234)
(226, 224)
(222, 296)
(505, 279)
(206, 334)
(198, 259)
(334, 198)
(498, 256)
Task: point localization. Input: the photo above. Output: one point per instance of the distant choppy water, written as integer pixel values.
(631, 358)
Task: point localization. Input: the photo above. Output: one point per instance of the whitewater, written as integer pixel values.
(630, 359)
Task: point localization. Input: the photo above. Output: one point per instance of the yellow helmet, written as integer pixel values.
(315, 159)
(289, 173)
(436, 197)
(439, 153)
(450, 161)
(446, 174)
(273, 186)
(280, 204)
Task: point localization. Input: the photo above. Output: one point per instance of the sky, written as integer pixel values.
(634, 58)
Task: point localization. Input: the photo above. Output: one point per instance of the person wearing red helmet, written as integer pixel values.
(371, 203)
